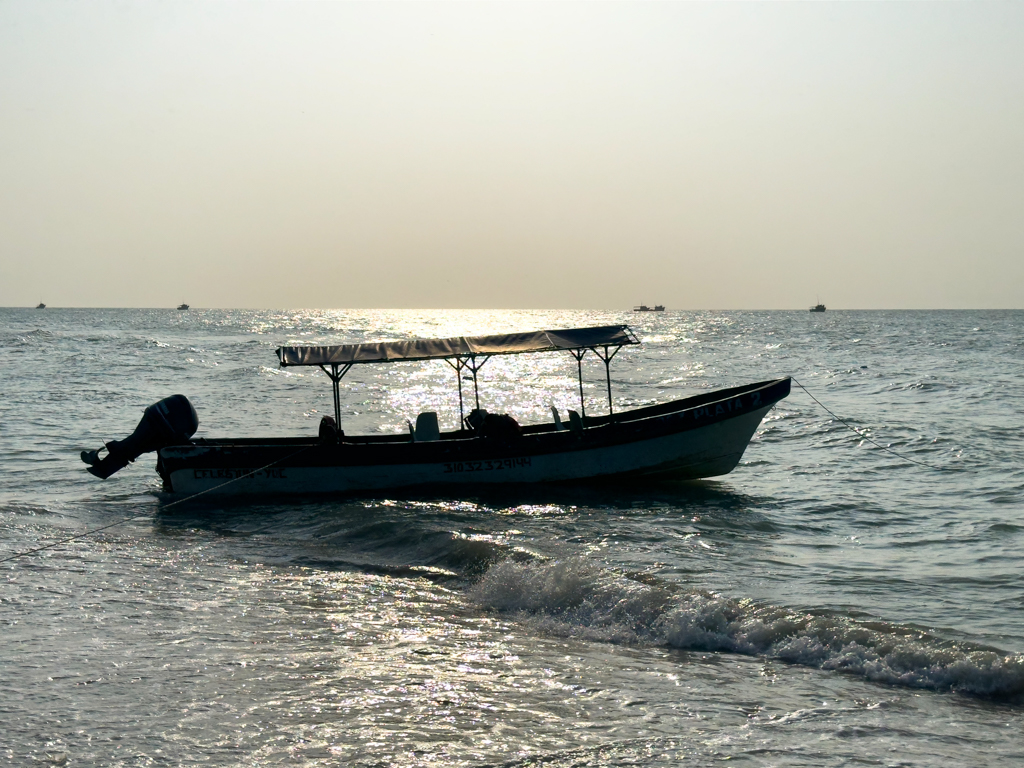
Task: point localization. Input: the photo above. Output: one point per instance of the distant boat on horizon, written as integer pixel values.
(645, 308)
(183, 306)
(818, 308)
(40, 305)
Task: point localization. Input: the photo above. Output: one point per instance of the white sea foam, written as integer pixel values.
(575, 598)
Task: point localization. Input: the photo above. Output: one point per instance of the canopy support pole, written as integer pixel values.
(469, 361)
(607, 359)
(578, 354)
(336, 378)
(476, 389)
(458, 365)
(474, 368)
(458, 378)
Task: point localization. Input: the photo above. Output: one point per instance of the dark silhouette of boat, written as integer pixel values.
(818, 308)
(645, 308)
(183, 306)
(700, 436)
(40, 305)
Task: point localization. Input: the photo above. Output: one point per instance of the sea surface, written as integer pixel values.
(851, 595)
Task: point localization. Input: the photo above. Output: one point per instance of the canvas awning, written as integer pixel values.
(459, 346)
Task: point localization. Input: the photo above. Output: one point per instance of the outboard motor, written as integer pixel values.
(171, 421)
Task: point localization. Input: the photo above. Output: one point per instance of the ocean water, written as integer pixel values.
(828, 603)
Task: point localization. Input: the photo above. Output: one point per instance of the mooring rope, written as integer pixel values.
(865, 437)
(139, 517)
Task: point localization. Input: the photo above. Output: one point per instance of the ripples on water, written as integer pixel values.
(827, 603)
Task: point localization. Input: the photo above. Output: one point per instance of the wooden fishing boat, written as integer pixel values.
(696, 437)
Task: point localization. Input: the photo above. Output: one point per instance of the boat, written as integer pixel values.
(183, 306)
(696, 437)
(818, 308)
(40, 305)
(645, 308)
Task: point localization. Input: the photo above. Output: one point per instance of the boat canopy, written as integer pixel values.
(465, 353)
(460, 346)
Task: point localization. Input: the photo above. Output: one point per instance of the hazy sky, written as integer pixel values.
(562, 155)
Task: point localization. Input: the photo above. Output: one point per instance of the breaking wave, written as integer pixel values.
(575, 598)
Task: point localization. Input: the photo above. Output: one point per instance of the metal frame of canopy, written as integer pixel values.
(609, 338)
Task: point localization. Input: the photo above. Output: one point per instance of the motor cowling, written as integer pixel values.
(170, 421)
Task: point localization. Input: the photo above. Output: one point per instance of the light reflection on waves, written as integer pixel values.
(467, 536)
(459, 544)
(270, 666)
(430, 539)
(574, 597)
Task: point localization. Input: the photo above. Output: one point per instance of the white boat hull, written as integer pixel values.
(704, 451)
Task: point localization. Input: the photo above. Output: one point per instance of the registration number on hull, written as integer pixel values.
(487, 465)
(238, 474)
